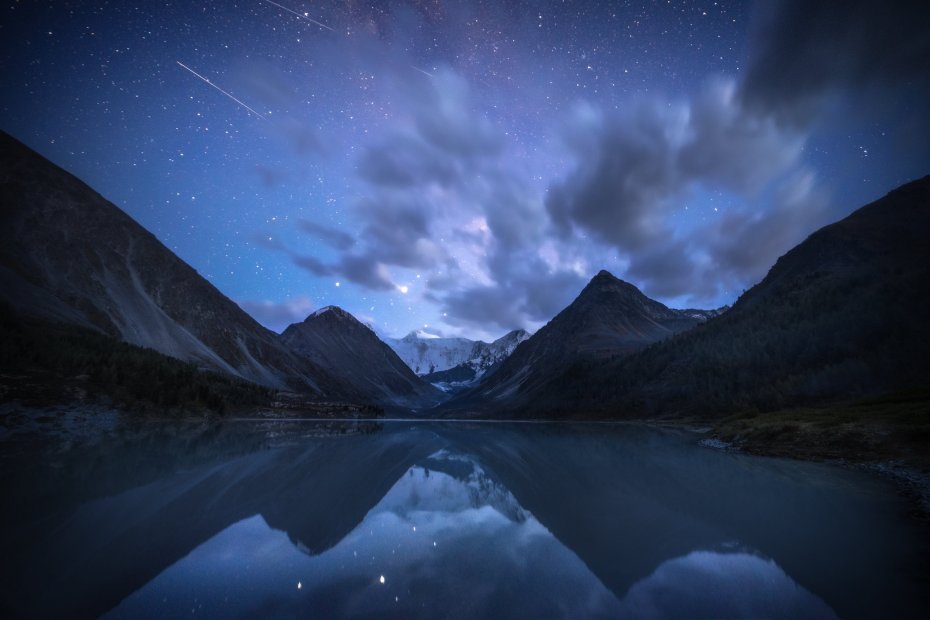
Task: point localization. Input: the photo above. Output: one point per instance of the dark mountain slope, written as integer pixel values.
(840, 317)
(609, 318)
(69, 255)
(337, 341)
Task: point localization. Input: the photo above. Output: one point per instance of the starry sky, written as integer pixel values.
(470, 165)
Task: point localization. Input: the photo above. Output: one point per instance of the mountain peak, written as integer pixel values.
(419, 334)
(337, 341)
(333, 311)
(606, 282)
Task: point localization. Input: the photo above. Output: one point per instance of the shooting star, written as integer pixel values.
(422, 71)
(183, 66)
(301, 15)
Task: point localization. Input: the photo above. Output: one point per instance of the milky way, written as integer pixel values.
(470, 165)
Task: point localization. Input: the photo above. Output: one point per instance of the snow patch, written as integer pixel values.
(716, 444)
(322, 310)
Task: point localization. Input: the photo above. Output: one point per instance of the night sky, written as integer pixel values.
(470, 165)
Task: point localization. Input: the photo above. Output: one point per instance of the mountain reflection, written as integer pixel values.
(450, 541)
(474, 521)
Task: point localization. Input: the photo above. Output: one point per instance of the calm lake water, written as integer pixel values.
(402, 519)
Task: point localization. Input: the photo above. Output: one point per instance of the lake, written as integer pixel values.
(420, 519)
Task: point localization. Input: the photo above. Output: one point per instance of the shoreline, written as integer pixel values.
(868, 443)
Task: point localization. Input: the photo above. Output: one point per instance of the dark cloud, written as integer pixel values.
(482, 306)
(531, 297)
(332, 237)
(744, 244)
(405, 163)
(362, 270)
(440, 199)
(423, 189)
(397, 229)
(805, 50)
(636, 168)
(668, 270)
(366, 271)
(623, 171)
(314, 266)
(270, 177)
(729, 146)
(441, 193)
(277, 316)
(525, 291)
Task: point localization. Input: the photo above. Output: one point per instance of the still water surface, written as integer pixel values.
(434, 520)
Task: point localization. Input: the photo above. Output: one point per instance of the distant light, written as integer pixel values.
(299, 585)
(338, 283)
(382, 579)
(403, 289)
(415, 527)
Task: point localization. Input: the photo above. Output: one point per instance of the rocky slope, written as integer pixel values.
(335, 340)
(69, 255)
(837, 320)
(610, 318)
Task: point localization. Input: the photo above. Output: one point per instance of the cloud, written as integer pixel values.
(331, 236)
(441, 196)
(366, 271)
(744, 244)
(634, 164)
(636, 168)
(313, 265)
(805, 51)
(277, 316)
(443, 191)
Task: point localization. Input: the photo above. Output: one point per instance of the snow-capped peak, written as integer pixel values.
(323, 310)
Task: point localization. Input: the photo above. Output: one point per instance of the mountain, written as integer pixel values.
(425, 353)
(610, 318)
(335, 340)
(429, 355)
(838, 319)
(70, 256)
(486, 359)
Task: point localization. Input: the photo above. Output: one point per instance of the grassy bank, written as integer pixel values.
(890, 429)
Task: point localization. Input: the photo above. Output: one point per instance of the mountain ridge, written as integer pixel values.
(70, 255)
(831, 322)
(608, 318)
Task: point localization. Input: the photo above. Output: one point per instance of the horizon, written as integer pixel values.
(467, 169)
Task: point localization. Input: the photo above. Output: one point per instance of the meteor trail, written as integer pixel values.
(422, 71)
(302, 16)
(183, 66)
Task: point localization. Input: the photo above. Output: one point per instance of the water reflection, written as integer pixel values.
(434, 520)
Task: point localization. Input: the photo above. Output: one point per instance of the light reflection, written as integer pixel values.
(491, 542)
